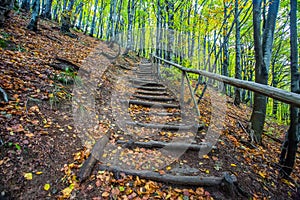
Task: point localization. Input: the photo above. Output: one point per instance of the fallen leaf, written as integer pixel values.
(28, 176)
(47, 186)
(105, 194)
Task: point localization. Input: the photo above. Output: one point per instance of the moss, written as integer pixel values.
(3, 43)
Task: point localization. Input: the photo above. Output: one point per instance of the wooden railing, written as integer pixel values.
(269, 91)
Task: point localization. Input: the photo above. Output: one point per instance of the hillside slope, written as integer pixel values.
(39, 146)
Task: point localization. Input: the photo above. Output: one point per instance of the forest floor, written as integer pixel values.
(41, 152)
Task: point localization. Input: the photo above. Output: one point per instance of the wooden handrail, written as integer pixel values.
(275, 93)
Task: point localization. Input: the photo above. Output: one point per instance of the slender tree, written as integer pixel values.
(288, 154)
(237, 99)
(46, 12)
(263, 52)
(66, 18)
(34, 16)
(5, 7)
(93, 26)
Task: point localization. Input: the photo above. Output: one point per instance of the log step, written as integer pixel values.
(149, 88)
(170, 146)
(153, 104)
(163, 114)
(164, 126)
(158, 93)
(145, 83)
(146, 64)
(155, 98)
(175, 179)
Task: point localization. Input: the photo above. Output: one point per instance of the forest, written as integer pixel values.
(239, 56)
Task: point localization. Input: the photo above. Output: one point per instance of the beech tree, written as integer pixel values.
(263, 52)
(288, 154)
(35, 15)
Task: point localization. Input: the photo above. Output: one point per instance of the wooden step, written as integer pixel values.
(158, 93)
(164, 126)
(155, 98)
(145, 82)
(149, 88)
(152, 104)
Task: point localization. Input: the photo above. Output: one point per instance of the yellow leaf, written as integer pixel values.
(28, 176)
(262, 174)
(206, 156)
(30, 135)
(38, 173)
(47, 126)
(207, 171)
(47, 186)
(105, 194)
(70, 127)
(233, 165)
(67, 192)
(169, 168)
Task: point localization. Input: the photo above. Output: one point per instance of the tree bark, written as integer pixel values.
(168, 178)
(46, 13)
(25, 5)
(237, 99)
(5, 7)
(35, 16)
(170, 146)
(263, 52)
(293, 132)
(66, 18)
(93, 26)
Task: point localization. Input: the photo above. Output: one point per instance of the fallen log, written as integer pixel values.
(171, 179)
(88, 165)
(170, 146)
(4, 95)
(153, 104)
(166, 126)
(156, 98)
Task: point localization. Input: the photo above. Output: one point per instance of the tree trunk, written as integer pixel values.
(225, 46)
(237, 99)
(35, 16)
(46, 13)
(93, 26)
(263, 52)
(293, 132)
(130, 12)
(66, 18)
(77, 11)
(25, 5)
(5, 7)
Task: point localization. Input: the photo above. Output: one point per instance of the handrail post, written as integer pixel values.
(182, 88)
(192, 94)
